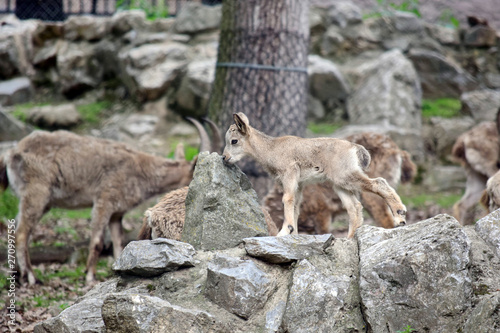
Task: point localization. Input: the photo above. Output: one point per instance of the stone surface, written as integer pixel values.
(54, 117)
(16, 91)
(12, 129)
(387, 91)
(221, 206)
(195, 17)
(416, 275)
(489, 229)
(279, 250)
(154, 257)
(482, 105)
(324, 292)
(440, 77)
(239, 286)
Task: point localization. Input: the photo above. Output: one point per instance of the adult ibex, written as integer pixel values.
(62, 169)
(478, 151)
(295, 162)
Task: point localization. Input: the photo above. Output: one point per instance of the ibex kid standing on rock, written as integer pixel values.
(62, 169)
(295, 162)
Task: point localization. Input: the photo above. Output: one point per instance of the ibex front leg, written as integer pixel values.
(291, 195)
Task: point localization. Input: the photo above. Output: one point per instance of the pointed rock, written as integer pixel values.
(279, 250)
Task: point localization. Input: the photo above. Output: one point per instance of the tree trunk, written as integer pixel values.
(261, 70)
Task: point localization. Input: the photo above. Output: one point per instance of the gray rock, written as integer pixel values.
(195, 18)
(196, 85)
(325, 292)
(440, 76)
(279, 250)
(12, 129)
(46, 56)
(221, 206)
(444, 35)
(16, 49)
(78, 68)
(440, 134)
(484, 317)
(416, 275)
(327, 83)
(149, 70)
(84, 316)
(15, 91)
(147, 314)
(54, 116)
(489, 229)
(140, 124)
(343, 13)
(387, 90)
(123, 22)
(86, 27)
(239, 286)
(441, 178)
(151, 258)
(406, 22)
(482, 105)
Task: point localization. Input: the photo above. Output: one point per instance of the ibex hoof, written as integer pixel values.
(291, 229)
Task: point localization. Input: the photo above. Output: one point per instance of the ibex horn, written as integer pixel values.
(216, 136)
(205, 139)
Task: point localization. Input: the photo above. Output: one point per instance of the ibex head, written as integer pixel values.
(236, 139)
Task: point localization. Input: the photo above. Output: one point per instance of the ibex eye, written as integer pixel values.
(233, 142)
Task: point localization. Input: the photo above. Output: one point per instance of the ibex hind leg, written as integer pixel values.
(382, 188)
(353, 208)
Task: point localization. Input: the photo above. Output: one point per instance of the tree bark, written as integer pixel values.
(261, 70)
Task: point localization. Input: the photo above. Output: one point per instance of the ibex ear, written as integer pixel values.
(241, 121)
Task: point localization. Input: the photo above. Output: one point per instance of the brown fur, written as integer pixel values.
(490, 197)
(62, 169)
(320, 204)
(477, 150)
(166, 218)
(294, 162)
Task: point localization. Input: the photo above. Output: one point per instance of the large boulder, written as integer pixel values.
(78, 68)
(386, 91)
(441, 77)
(62, 116)
(149, 70)
(417, 275)
(193, 94)
(195, 18)
(482, 105)
(221, 206)
(16, 91)
(328, 85)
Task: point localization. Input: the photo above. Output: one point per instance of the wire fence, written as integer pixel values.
(59, 10)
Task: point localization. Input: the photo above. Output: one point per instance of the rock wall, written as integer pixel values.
(435, 276)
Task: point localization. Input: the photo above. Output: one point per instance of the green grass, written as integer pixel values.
(406, 329)
(8, 205)
(424, 200)
(323, 128)
(443, 107)
(91, 113)
(189, 151)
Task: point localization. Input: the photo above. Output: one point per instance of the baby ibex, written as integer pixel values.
(478, 151)
(491, 196)
(320, 204)
(62, 169)
(295, 162)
